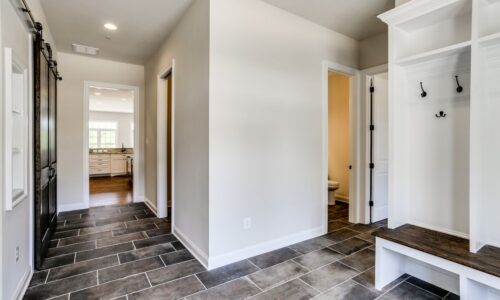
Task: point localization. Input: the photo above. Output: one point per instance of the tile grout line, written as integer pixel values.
(196, 276)
(392, 288)
(319, 292)
(153, 286)
(334, 286)
(370, 288)
(254, 264)
(47, 278)
(250, 280)
(149, 281)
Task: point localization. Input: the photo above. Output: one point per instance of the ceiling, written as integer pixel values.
(142, 25)
(111, 100)
(354, 18)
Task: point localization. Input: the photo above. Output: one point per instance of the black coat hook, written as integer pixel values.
(459, 87)
(441, 114)
(424, 93)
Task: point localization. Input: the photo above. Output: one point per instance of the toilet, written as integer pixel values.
(332, 187)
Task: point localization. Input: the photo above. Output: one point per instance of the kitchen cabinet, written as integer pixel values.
(109, 164)
(119, 164)
(99, 164)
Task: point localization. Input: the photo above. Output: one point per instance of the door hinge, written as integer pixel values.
(372, 127)
(370, 203)
(372, 165)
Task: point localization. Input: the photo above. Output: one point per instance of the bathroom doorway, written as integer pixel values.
(111, 143)
(341, 146)
(339, 143)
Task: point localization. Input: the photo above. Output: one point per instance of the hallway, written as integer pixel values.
(110, 190)
(115, 251)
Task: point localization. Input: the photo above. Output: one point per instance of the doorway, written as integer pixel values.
(341, 155)
(165, 141)
(339, 89)
(111, 144)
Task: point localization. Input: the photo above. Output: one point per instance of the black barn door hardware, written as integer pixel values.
(440, 115)
(459, 87)
(424, 93)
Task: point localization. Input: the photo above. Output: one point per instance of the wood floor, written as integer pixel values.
(110, 190)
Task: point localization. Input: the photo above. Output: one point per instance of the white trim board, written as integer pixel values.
(355, 153)
(151, 206)
(438, 228)
(71, 206)
(199, 254)
(137, 138)
(161, 142)
(241, 254)
(23, 285)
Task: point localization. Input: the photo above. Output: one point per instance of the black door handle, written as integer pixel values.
(52, 172)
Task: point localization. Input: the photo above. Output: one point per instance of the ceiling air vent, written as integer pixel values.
(85, 49)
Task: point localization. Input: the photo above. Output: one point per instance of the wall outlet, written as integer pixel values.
(247, 223)
(17, 254)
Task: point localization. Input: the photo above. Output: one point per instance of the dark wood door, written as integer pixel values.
(52, 145)
(45, 156)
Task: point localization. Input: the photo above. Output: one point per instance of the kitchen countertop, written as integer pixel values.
(112, 151)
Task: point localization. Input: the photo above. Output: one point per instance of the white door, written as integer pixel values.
(380, 148)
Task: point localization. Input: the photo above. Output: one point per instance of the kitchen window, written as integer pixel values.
(103, 134)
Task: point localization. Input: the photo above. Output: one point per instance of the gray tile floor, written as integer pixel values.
(125, 252)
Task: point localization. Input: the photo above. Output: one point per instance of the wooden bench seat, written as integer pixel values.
(438, 258)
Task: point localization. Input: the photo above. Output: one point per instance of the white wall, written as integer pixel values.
(76, 69)
(188, 45)
(124, 121)
(266, 125)
(373, 51)
(16, 226)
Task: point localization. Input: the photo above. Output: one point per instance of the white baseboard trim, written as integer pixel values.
(23, 284)
(70, 207)
(493, 243)
(151, 206)
(337, 199)
(342, 198)
(200, 255)
(440, 229)
(241, 254)
(139, 199)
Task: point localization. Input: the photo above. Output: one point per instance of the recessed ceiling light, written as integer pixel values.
(97, 94)
(123, 99)
(110, 26)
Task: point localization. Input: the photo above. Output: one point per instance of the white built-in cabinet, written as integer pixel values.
(444, 141)
(444, 132)
(16, 155)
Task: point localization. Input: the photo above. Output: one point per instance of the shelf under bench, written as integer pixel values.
(439, 258)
